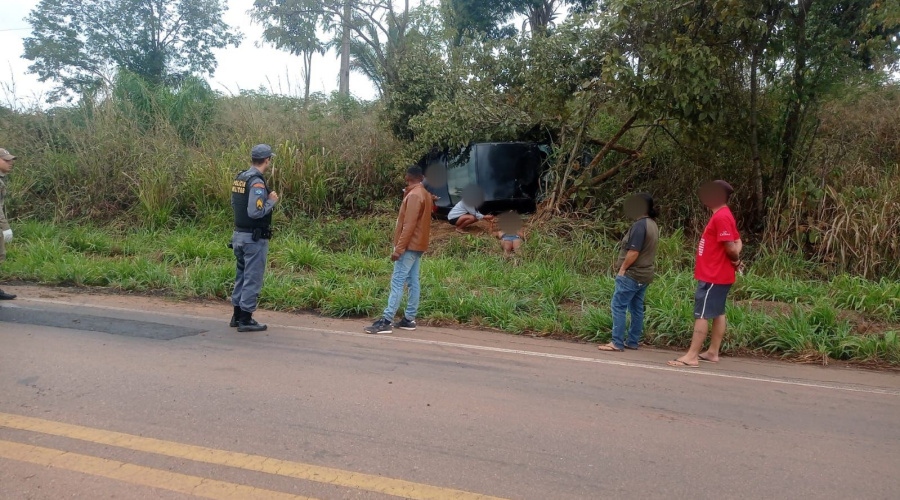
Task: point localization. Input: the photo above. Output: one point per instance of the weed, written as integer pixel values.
(300, 255)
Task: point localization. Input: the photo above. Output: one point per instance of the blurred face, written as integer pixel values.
(712, 195)
(6, 166)
(473, 195)
(509, 222)
(436, 175)
(635, 207)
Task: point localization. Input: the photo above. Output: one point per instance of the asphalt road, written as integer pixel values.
(119, 397)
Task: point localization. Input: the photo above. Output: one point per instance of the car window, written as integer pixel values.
(461, 172)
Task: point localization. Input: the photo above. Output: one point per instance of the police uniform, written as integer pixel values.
(5, 230)
(252, 230)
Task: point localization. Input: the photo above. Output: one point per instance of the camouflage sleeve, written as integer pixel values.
(258, 203)
(4, 224)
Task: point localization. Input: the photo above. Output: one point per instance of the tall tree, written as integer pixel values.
(480, 19)
(346, 41)
(825, 43)
(377, 27)
(80, 43)
(297, 34)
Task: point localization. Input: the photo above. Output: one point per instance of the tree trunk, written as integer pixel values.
(585, 176)
(792, 122)
(605, 176)
(344, 86)
(612, 142)
(307, 76)
(772, 15)
(758, 195)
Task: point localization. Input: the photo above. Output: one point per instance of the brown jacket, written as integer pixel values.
(413, 229)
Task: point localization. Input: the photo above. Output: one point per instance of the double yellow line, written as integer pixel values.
(193, 485)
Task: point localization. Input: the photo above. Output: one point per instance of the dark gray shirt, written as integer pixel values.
(643, 237)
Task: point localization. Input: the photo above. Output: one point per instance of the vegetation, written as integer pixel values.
(562, 284)
(81, 44)
(795, 102)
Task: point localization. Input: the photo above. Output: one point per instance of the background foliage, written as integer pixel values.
(80, 44)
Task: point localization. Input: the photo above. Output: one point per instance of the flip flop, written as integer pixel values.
(609, 348)
(677, 363)
(706, 359)
(631, 348)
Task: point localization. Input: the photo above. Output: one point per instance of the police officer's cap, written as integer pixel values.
(261, 152)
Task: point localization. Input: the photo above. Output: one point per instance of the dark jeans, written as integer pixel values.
(629, 296)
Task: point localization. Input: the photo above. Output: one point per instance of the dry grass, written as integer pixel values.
(842, 209)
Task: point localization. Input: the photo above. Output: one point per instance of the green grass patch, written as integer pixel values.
(559, 286)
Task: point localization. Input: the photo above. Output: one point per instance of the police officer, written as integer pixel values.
(6, 234)
(253, 204)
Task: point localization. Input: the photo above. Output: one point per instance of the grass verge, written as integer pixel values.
(559, 286)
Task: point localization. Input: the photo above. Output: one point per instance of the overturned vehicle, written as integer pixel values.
(508, 175)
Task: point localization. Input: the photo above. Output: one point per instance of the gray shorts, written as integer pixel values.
(709, 300)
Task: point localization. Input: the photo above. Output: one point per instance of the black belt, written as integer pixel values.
(259, 233)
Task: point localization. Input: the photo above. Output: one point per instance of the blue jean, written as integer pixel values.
(406, 272)
(250, 257)
(629, 296)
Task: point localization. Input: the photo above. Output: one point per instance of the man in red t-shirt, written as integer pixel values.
(718, 259)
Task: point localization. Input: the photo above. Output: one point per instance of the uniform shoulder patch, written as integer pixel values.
(259, 185)
(259, 204)
(259, 192)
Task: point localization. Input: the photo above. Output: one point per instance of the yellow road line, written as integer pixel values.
(389, 486)
(137, 474)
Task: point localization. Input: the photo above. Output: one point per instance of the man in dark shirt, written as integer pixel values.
(635, 272)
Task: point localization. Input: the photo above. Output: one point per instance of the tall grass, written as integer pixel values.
(841, 210)
(154, 156)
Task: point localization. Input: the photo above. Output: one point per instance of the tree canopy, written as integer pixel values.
(80, 44)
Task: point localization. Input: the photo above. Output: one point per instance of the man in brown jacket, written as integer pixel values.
(410, 241)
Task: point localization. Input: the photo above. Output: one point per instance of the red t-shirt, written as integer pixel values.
(713, 265)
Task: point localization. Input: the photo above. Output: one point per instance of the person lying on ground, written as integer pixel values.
(717, 262)
(635, 267)
(511, 243)
(511, 233)
(463, 215)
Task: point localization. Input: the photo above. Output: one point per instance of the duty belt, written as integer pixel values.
(259, 233)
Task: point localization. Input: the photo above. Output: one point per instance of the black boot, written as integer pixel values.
(246, 323)
(6, 296)
(235, 317)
